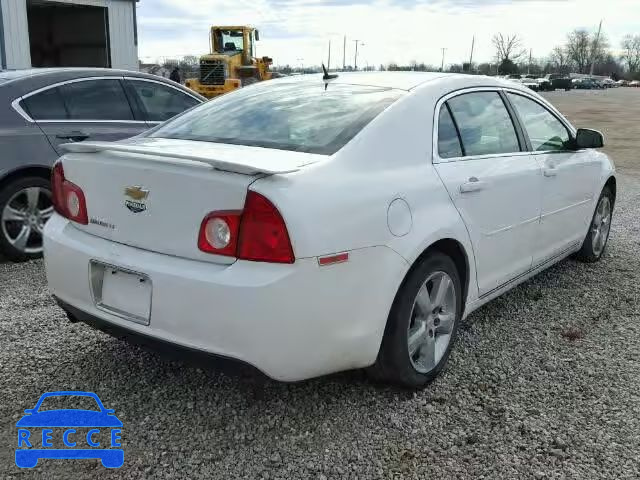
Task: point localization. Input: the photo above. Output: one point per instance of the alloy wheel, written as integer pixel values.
(601, 225)
(432, 320)
(23, 217)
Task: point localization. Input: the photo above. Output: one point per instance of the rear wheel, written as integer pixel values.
(596, 240)
(25, 206)
(422, 325)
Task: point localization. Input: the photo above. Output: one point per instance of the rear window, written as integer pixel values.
(286, 116)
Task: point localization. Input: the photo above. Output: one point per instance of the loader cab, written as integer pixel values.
(233, 41)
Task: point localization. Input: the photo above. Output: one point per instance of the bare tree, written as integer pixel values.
(507, 47)
(560, 59)
(579, 49)
(631, 55)
(582, 48)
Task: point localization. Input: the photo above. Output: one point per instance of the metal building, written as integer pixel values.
(68, 33)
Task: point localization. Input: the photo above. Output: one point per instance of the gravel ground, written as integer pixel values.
(543, 383)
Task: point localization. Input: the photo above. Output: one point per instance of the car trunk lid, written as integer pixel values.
(154, 193)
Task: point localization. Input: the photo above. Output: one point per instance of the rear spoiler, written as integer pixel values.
(155, 154)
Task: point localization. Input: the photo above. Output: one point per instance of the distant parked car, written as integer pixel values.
(531, 83)
(544, 84)
(559, 82)
(635, 83)
(43, 108)
(587, 84)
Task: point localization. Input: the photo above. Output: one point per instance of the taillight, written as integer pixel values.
(68, 198)
(219, 233)
(258, 233)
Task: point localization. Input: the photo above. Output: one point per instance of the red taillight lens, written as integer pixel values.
(219, 233)
(57, 179)
(258, 233)
(68, 198)
(263, 234)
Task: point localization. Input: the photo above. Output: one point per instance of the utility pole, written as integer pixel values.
(595, 49)
(344, 54)
(329, 59)
(355, 57)
(529, 66)
(442, 64)
(473, 43)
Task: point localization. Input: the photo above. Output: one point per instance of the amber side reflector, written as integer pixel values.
(330, 260)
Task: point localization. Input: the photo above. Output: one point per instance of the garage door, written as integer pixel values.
(64, 35)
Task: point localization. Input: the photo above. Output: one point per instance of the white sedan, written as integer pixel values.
(308, 225)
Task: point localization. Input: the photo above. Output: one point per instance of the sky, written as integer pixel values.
(298, 32)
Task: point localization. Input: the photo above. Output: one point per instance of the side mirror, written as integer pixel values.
(587, 138)
(257, 34)
(29, 410)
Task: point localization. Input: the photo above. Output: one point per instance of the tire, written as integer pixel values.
(595, 242)
(21, 208)
(394, 363)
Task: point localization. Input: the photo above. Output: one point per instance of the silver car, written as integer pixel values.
(43, 108)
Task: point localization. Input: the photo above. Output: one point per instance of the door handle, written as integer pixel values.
(472, 185)
(73, 136)
(550, 171)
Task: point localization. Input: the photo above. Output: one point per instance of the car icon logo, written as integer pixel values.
(69, 433)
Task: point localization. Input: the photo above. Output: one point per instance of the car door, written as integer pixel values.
(81, 109)
(159, 101)
(568, 182)
(493, 184)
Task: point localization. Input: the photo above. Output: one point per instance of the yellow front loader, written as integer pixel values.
(231, 64)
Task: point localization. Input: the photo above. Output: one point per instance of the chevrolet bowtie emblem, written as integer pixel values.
(136, 192)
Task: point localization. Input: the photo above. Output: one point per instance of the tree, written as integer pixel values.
(579, 49)
(508, 67)
(486, 69)
(609, 66)
(507, 47)
(560, 59)
(582, 48)
(631, 55)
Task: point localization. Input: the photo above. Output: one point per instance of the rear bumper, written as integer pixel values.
(290, 321)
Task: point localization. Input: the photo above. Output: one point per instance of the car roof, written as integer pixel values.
(16, 83)
(403, 80)
(399, 80)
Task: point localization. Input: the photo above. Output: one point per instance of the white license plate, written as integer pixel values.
(122, 292)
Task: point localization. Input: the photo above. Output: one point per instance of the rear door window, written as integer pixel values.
(288, 116)
(484, 122)
(102, 99)
(47, 105)
(161, 102)
(448, 140)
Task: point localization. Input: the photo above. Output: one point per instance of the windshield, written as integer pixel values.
(230, 40)
(286, 116)
(62, 402)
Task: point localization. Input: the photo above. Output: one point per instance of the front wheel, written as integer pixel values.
(598, 234)
(25, 206)
(422, 325)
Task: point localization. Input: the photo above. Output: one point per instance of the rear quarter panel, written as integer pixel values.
(342, 204)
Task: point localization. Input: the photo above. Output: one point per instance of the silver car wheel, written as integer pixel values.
(601, 225)
(23, 218)
(432, 320)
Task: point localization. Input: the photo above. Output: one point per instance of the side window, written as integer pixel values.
(96, 100)
(161, 102)
(448, 140)
(47, 105)
(545, 131)
(484, 122)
